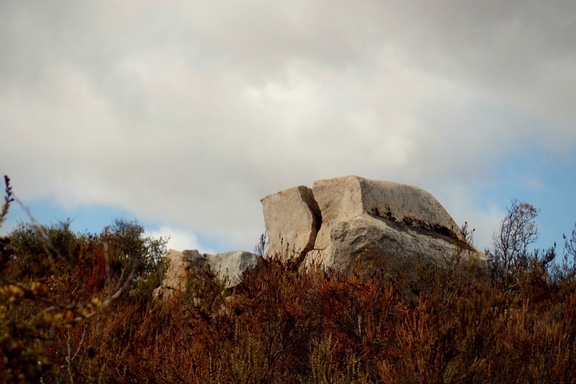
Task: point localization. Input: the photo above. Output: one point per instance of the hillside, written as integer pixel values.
(78, 308)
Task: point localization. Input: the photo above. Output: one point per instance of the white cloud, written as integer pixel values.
(462, 203)
(179, 239)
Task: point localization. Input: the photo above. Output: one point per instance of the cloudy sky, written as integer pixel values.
(183, 114)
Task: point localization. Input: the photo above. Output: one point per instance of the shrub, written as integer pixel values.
(54, 285)
(407, 321)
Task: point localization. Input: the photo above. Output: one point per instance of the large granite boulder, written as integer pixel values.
(360, 220)
(338, 223)
(227, 267)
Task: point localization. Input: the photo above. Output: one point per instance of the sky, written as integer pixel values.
(182, 115)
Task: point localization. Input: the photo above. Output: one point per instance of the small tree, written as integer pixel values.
(565, 271)
(570, 247)
(131, 251)
(509, 253)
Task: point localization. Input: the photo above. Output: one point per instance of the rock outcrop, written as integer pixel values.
(349, 219)
(227, 267)
(334, 225)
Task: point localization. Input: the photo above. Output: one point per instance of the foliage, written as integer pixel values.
(128, 249)
(55, 283)
(406, 322)
(281, 326)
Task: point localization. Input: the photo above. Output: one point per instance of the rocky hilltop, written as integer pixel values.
(338, 223)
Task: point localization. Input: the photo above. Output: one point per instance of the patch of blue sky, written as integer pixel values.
(544, 179)
(84, 218)
(92, 218)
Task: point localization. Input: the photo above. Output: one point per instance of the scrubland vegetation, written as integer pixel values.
(77, 308)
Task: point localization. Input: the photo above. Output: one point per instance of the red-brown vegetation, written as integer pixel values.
(408, 322)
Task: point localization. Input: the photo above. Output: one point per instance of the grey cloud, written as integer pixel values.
(206, 105)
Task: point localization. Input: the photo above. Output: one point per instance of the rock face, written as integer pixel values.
(344, 220)
(292, 218)
(227, 266)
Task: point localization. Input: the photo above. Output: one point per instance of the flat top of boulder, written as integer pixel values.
(350, 196)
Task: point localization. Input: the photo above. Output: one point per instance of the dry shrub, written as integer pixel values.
(407, 321)
(283, 326)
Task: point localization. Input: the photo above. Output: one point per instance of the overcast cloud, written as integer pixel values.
(188, 112)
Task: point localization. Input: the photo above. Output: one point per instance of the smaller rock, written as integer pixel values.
(227, 267)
